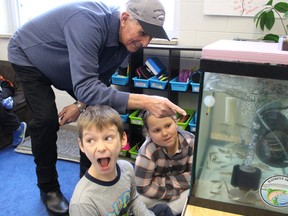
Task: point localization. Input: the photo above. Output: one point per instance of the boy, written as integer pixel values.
(108, 187)
(164, 162)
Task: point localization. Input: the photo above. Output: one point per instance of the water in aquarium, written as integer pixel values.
(242, 151)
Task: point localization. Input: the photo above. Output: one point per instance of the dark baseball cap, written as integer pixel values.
(150, 15)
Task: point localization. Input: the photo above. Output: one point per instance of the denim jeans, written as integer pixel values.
(162, 210)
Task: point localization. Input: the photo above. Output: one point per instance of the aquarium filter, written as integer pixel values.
(246, 177)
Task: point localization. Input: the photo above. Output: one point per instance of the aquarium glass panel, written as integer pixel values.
(242, 146)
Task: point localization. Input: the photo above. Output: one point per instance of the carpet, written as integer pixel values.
(67, 146)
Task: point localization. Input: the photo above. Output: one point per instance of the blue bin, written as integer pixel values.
(178, 86)
(140, 83)
(157, 84)
(124, 117)
(192, 123)
(195, 86)
(119, 80)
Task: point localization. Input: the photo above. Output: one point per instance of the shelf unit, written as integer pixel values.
(173, 67)
(172, 55)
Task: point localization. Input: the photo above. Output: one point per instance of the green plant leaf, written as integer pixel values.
(263, 20)
(270, 20)
(271, 37)
(269, 2)
(258, 18)
(281, 7)
(261, 12)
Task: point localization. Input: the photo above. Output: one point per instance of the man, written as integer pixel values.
(77, 48)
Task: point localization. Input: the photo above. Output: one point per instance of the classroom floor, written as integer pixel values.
(195, 210)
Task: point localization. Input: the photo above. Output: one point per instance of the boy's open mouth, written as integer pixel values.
(104, 162)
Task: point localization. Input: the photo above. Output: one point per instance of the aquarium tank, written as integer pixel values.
(241, 149)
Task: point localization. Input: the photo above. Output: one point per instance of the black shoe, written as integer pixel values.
(55, 202)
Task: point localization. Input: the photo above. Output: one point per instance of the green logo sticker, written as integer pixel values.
(274, 191)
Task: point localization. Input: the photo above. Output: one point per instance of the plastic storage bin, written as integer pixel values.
(134, 119)
(119, 80)
(140, 83)
(178, 86)
(125, 150)
(157, 84)
(195, 86)
(123, 153)
(183, 125)
(134, 152)
(124, 117)
(192, 123)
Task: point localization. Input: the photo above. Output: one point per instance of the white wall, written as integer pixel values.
(196, 29)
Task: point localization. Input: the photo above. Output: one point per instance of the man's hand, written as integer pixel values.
(69, 114)
(162, 107)
(158, 106)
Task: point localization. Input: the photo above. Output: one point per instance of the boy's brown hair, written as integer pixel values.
(100, 117)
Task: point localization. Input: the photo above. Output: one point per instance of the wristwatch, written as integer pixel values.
(80, 107)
